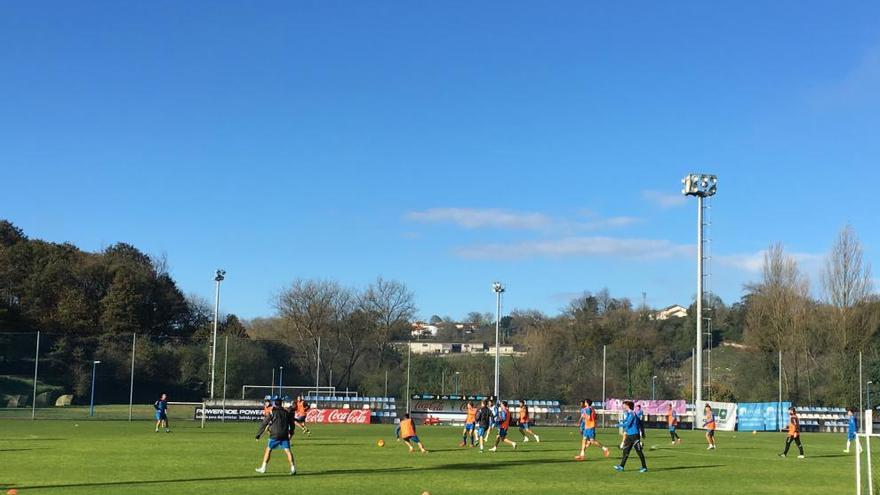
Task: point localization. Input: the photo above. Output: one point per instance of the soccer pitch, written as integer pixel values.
(118, 457)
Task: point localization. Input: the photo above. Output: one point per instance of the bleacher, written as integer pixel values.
(824, 419)
(538, 408)
(380, 407)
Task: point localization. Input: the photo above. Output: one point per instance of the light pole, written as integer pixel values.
(218, 277)
(280, 381)
(498, 289)
(701, 186)
(458, 383)
(653, 387)
(868, 389)
(443, 382)
(92, 403)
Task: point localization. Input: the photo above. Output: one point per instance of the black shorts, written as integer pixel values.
(632, 441)
(711, 433)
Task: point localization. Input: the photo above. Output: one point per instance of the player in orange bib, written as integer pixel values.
(524, 422)
(672, 423)
(469, 432)
(709, 424)
(502, 421)
(794, 433)
(300, 411)
(408, 434)
(588, 430)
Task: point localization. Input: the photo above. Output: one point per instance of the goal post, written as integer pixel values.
(200, 405)
(307, 390)
(865, 468)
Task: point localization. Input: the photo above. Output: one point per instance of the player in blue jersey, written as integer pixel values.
(633, 439)
(640, 415)
(161, 407)
(851, 429)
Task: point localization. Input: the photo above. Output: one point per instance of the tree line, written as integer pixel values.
(88, 304)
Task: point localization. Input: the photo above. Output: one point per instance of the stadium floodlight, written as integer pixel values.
(700, 186)
(653, 387)
(498, 289)
(219, 276)
(92, 402)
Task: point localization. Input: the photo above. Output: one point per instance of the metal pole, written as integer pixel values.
(272, 388)
(603, 385)
(653, 388)
(92, 402)
(779, 403)
(386, 383)
(868, 390)
(214, 337)
(699, 365)
(281, 381)
(497, 343)
(442, 382)
(408, 365)
(318, 367)
(225, 360)
(36, 373)
(861, 381)
(131, 385)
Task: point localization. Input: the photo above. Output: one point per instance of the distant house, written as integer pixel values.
(444, 348)
(674, 311)
(422, 329)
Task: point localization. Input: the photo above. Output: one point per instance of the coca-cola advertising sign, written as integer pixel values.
(346, 416)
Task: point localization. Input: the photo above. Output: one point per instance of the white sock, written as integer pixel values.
(263, 466)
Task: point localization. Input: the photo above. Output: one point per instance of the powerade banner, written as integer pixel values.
(251, 413)
(254, 413)
(762, 416)
(652, 407)
(725, 415)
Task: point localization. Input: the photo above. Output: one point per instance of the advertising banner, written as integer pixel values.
(725, 415)
(652, 407)
(762, 416)
(255, 413)
(348, 416)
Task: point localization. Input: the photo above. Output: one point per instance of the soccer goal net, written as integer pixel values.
(260, 391)
(867, 445)
(198, 409)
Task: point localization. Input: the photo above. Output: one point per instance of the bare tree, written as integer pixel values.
(846, 280)
(392, 305)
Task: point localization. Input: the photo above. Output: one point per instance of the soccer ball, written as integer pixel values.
(754, 432)
(380, 443)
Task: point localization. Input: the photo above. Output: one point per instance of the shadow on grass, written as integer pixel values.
(32, 439)
(332, 472)
(13, 450)
(680, 468)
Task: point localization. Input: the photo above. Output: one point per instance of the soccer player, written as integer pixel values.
(633, 439)
(794, 433)
(267, 406)
(300, 411)
(408, 433)
(588, 430)
(524, 422)
(161, 407)
(502, 422)
(672, 423)
(468, 431)
(641, 417)
(280, 424)
(851, 429)
(483, 420)
(709, 424)
(493, 412)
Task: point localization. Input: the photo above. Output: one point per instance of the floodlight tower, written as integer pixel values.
(701, 186)
(218, 277)
(498, 289)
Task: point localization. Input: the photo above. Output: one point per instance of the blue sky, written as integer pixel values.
(443, 144)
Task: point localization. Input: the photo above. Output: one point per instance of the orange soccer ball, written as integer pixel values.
(380, 443)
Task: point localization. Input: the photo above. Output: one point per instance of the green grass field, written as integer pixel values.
(118, 457)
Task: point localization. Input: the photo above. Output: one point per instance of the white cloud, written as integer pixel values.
(664, 200)
(495, 218)
(754, 262)
(638, 249)
(472, 218)
(857, 87)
